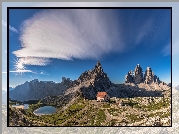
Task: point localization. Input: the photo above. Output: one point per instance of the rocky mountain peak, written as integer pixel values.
(94, 74)
(148, 78)
(98, 64)
(138, 75)
(92, 81)
(98, 69)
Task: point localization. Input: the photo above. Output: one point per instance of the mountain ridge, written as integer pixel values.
(89, 83)
(37, 90)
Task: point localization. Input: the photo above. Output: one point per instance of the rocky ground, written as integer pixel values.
(129, 90)
(101, 130)
(137, 111)
(140, 112)
(17, 118)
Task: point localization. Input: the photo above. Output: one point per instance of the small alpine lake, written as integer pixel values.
(45, 110)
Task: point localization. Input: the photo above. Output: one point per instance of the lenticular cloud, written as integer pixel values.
(34, 61)
(68, 34)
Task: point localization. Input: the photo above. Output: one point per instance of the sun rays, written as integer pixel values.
(19, 66)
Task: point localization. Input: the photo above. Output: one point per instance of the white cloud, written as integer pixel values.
(10, 27)
(27, 71)
(144, 30)
(43, 73)
(34, 61)
(21, 71)
(82, 34)
(68, 34)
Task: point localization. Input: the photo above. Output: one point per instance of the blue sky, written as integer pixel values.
(72, 41)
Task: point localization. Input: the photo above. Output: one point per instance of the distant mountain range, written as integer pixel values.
(89, 84)
(36, 89)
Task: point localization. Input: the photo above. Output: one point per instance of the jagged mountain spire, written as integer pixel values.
(93, 81)
(97, 72)
(98, 64)
(138, 77)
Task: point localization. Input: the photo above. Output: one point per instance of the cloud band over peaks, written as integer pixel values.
(68, 34)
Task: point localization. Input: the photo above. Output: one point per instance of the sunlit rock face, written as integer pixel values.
(129, 77)
(90, 82)
(148, 77)
(138, 75)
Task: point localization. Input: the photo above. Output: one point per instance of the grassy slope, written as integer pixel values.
(91, 113)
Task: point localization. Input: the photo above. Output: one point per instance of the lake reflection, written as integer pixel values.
(45, 110)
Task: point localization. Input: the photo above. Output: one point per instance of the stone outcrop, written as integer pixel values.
(91, 82)
(99, 82)
(66, 81)
(169, 84)
(97, 74)
(129, 77)
(148, 78)
(130, 90)
(17, 118)
(138, 75)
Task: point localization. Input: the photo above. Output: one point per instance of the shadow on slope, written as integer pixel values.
(128, 91)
